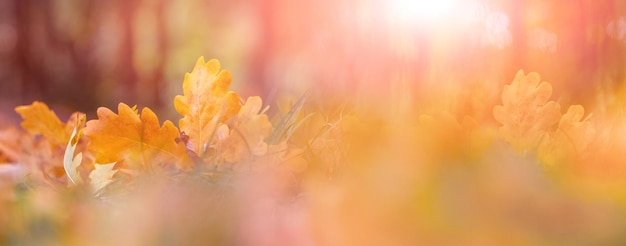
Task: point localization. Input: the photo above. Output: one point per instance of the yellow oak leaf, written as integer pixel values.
(247, 136)
(577, 131)
(205, 103)
(40, 120)
(571, 140)
(526, 114)
(138, 140)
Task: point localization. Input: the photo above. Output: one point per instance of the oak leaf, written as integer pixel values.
(44, 157)
(526, 114)
(246, 138)
(40, 120)
(138, 140)
(205, 103)
(9, 147)
(571, 140)
(575, 130)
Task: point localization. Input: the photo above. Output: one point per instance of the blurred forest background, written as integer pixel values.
(78, 55)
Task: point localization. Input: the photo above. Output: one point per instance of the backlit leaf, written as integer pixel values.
(39, 119)
(139, 140)
(526, 114)
(578, 131)
(205, 103)
(571, 140)
(247, 136)
(44, 157)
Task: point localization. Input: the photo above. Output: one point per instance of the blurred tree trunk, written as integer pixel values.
(125, 66)
(264, 49)
(30, 75)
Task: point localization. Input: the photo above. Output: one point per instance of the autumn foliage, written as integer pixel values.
(396, 177)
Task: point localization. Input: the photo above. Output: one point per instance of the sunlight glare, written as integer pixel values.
(421, 11)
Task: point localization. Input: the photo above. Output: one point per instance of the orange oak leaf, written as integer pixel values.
(138, 140)
(10, 145)
(206, 103)
(44, 157)
(39, 119)
(526, 114)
